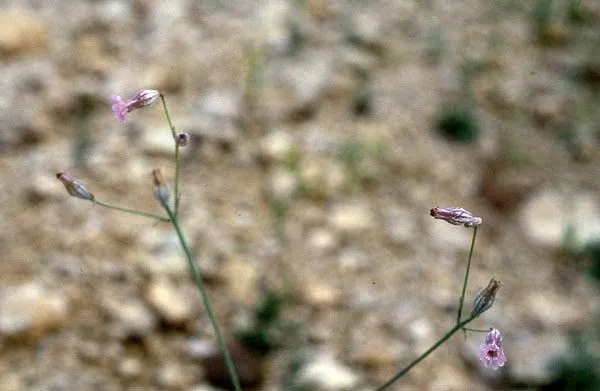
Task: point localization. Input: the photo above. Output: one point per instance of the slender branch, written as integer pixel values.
(427, 353)
(131, 211)
(177, 155)
(206, 299)
(464, 288)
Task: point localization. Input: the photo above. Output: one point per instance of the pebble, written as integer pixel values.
(321, 294)
(217, 114)
(130, 368)
(132, 318)
(323, 241)
(275, 21)
(169, 301)
(172, 375)
(351, 217)
(548, 214)
(276, 146)
(21, 32)
(241, 278)
(325, 373)
(159, 142)
(31, 310)
(283, 184)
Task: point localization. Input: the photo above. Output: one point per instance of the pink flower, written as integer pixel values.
(142, 98)
(456, 216)
(491, 353)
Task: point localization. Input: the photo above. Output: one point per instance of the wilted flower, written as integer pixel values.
(491, 353)
(484, 300)
(183, 139)
(74, 187)
(456, 216)
(142, 98)
(161, 190)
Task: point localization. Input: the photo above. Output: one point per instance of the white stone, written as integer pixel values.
(31, 309)
(325, 373)
(351, 217)
(322, 240)
(282, 183)
(277, 146)
(548, 216)
(131, 316)
(169, 301)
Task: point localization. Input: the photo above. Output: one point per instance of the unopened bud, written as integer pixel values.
(485, 299)
(183, 138)
(143, 98)
(74, 187)
(456, 216)
(161, 190)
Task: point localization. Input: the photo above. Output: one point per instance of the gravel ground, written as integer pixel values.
(316, 154)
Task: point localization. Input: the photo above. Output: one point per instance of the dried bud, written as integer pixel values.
(484, 300)
(142, 98)
(456, 216)
(161, 190)
(74, 187)
(183, 139)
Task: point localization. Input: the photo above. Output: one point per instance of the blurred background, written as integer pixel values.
(323, 132)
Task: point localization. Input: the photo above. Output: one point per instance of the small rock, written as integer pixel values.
(170, 302)
(31, 310)
(323, 241)
(283, 184)
(241, 280)
(275, 20)
(277, 146)
(130, 368)
(324, 373)
(217, 115)
(172, 375)
(546, 218)
(159, 142)
(21, 32)
(132, 318)
(321, 294)
(351, 217)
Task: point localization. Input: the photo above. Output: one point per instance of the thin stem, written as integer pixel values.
(171, 126)
(177, 155)
(131, 211)
(176, 180)
(464, 288)
(427, 353)
(206, 299)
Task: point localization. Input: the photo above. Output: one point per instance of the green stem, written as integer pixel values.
(176, 180)
(177, 154)
(464, 288)
(401, 373)
(205, 298)
(131, 211)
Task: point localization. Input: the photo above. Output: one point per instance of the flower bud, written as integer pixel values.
(456, 216)
(74, 187)
(183, 139)
(161, 190)
(484, 300)
(142, 98)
